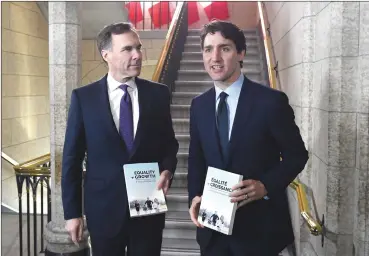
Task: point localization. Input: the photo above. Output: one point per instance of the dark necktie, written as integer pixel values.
(222, 121)
(126, 118)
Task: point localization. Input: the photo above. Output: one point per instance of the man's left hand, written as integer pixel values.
(247, 191)
(164, 181)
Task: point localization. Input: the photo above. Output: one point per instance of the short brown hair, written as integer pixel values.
(104, 36)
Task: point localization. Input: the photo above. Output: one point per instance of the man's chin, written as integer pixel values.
(135, 73)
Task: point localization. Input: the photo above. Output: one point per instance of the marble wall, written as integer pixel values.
(322, 50)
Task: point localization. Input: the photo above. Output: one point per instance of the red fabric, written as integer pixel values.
(193, 13)
(217, 10)
(134, 12)
(160, 14)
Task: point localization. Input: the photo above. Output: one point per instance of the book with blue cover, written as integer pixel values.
(217, 212)
(143, 196)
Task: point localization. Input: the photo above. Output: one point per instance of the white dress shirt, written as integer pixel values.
(233, 92)
(115, 95)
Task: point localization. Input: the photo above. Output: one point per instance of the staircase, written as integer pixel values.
(179, 236)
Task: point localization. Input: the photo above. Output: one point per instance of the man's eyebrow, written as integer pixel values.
(131, 45)
(221, 45)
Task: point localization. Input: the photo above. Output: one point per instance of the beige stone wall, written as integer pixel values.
(93, 67)
(322, 51)
(25, 94)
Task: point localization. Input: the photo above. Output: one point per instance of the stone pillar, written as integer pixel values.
(65, 74)
(361, 191)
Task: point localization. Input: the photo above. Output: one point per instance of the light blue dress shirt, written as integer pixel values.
(233, 91)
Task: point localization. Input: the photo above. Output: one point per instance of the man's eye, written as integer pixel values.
(127, 49)
(226, 49)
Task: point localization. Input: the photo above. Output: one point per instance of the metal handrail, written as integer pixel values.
(168, 39)
(267, 47)
(34, 166)
(315, 227)
(8, 159)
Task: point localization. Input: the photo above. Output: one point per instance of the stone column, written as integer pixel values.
(361, 202)
(65, 74)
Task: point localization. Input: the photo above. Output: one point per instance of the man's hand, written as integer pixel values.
(247, 191)
(164, 181)
(194, 211)
(75, 229)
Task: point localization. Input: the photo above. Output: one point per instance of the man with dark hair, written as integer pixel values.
(149, 203)
(137, 206)
(119, 119)
(214, 218)
(243, 127)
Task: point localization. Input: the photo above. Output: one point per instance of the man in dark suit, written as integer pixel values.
(243, 127)
(117, 120)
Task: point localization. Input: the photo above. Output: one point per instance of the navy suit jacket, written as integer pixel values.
(263, 131)
(91, 128)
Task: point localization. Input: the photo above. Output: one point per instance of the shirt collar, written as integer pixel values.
(233, 90)
(114, 84)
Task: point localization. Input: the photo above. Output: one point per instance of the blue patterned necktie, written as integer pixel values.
(126, 118)
(222, 121)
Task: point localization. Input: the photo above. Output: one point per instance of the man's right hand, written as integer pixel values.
(75, 229)
(194, 211)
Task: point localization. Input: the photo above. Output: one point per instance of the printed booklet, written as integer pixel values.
(143, 196)
(216, 210)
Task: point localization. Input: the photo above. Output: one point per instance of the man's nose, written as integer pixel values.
(136, 54)
(216, 55)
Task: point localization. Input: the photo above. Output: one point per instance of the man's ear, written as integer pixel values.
(105, 55)
(242, 55)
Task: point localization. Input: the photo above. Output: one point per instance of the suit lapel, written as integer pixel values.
(144, 99)
(106, 114)
(210, 127)
(243, 110)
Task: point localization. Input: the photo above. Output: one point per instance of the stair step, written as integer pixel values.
(184, 98)
(178, 215)
(184, 141)
(180, 224)
(193, 86)
(184, 229)
(188, 247)
(180, 178)
(181, 125)
(178, 194)
(180, 111)
(180, 253)
(177, 199)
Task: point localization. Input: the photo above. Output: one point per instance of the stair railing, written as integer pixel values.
(316, 227)
(35, 174)
(169, 60)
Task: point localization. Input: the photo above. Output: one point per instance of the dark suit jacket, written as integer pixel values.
(263, 130)
(91, 128)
